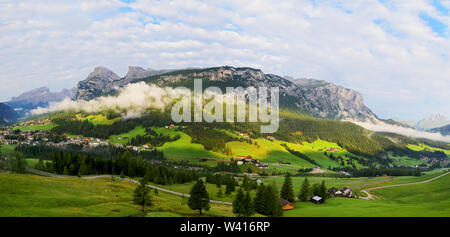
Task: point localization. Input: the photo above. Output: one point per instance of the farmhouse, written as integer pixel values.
(343, 192)
(331, 149)
(285, 204)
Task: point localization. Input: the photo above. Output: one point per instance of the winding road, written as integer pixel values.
(47, 174)
(369, 196)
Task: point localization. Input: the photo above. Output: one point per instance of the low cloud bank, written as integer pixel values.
(409, 132)
(132, 101)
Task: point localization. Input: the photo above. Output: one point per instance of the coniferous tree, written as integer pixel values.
(239, 203)
(142, 197)
(305, 191)
(66, 171)
(273, 203)
(219, 193)
(316, 190)
(287, 191)
(249, 207)
(266, 201)
(323, 190)
(199, 199)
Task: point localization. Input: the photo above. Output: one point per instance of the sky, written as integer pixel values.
(396, 53)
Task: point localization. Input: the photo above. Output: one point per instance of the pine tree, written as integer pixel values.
(199, 199)
(229, 188)
(259, 199)
(305, 191)
(219, 193)
(274, 205)
(316, 190)
(122, 175)
(239, 203)
(266, 201)
(142, 196)
(245, 183)
(83, 169)
(287, 191)
(66, 171)
(323, 190)
(249, 207)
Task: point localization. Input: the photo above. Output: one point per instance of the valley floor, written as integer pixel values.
(32, 195)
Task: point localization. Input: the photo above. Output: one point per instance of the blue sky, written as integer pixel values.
(394, 52)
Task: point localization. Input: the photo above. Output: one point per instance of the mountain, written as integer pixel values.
(100, 81)
(330, 99)
(432, 121)
(103, 81)
(40, 97)
(318, 98)
(445, 130)
(7, 114)
(315, 97)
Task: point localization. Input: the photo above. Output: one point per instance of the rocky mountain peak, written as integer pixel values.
(101, 80)
(102, 73)
(432, 121)
(135, 72)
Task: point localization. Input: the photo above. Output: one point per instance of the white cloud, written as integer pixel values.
(133, 100)
(409, 132)
(401, 66)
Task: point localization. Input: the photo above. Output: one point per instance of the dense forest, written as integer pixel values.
(124, 163)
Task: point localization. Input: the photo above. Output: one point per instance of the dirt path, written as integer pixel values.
(47, 174)
(370, 183)
(369, 196)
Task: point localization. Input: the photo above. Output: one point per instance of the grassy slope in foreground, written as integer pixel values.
(31, 195)
(428, 199)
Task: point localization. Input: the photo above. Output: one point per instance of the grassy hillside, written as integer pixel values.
(44, 127)
(421, 147)
(30, 195)
(429, 199)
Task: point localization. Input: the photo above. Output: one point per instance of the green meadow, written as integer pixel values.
(183, 148)
(7, 149)
(139, 130)
(31, 195)
(97, 119)
(422, 146)
(421, 200)
(267, 151)
(37, 127)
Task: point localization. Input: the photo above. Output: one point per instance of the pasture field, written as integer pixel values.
(422, 146)
(7, 149)
(405, 160)
(409, 179)
(31, 195)
(274, 152)
(138, 130)
(37, 127)
(329, 181)
(422, 200)
(267, 151)
(33, 161)
(184, 149)
(211, 188)
(97, 119)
